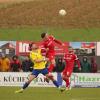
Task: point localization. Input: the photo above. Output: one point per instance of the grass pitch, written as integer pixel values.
(7, 93)
(29, 33)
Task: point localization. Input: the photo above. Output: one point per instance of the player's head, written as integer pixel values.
(33, 46)
(70, 49)
(44, 35)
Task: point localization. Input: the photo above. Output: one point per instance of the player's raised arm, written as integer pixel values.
(57, 41)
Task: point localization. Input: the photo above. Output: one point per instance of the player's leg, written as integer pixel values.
(52, 62)
(51, 66)
(31, 77)
(48, 75)
(66, 77)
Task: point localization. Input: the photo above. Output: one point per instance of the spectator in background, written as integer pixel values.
(93, 65)
(76, 69)
(85, 65)
(27, 64)
(4, 63)
(60, 64)
(15, 64)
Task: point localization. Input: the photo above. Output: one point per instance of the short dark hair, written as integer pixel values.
(30, 46)
(43, 34)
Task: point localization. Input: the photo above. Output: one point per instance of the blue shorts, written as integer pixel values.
(36, 72)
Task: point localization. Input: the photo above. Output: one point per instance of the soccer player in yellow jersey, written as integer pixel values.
(39, 67)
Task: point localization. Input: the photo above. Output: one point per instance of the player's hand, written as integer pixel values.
(80, 69)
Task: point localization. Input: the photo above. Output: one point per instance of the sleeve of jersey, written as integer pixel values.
(57, 41)
(77, 61)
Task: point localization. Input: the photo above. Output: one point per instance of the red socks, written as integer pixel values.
(67, 83)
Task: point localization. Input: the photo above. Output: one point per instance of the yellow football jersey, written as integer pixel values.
(37, 56)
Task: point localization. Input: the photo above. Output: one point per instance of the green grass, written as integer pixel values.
(7, 93)
(62, 34)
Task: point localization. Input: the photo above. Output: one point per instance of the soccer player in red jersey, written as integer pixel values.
(48, 44)
(70, 58)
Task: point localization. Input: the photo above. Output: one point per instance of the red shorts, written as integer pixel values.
(67, 72)
(51, 56)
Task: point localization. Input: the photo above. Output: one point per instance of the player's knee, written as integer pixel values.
(50, 77)
(68, 74)
(31, 78)
(64, 77)
(29, 81)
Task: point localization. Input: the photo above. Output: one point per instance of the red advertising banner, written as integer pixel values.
(88, 45)
(22, 47)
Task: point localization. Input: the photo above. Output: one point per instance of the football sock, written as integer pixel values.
(55, 83)
(25, 85)
(67, 82)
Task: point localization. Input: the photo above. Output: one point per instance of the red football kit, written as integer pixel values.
(70, 59)
(49, 45)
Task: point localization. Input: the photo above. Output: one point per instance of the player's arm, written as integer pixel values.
(34, 58)
(78, 62)
(64, 60)
(57, 41)
(40, 60)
